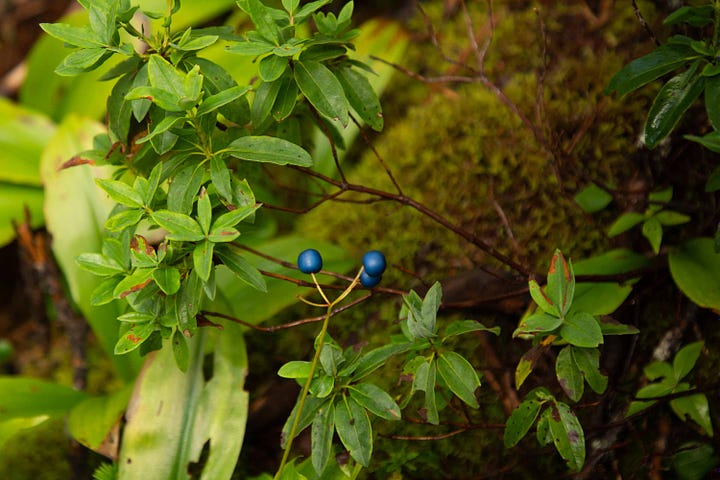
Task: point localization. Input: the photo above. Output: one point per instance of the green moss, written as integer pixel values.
(37, 453)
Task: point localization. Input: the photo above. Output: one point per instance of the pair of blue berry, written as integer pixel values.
(310, 261)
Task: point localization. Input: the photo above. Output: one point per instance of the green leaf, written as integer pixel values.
(694, 461)
(543, 434)
(652, 230)
(165, 124)
(295, 369)
(251, 47)
(286, 98)
(181, 351)
(76, 36)
(269, 150)
(624, 223)
(220, 176)
(184, 189)
(588, 362)
(261, 18)
(543, 301)
(361, 96)
(430, 307)
(526, 364)
(204, 210)
(272, 67)
(649, 391)
(695, 268)
(168, 279)
(671, 102)
(697, 16)
(322, 89)
(560, 283)
(133, 283)
(232, 259)
(166, 432)
(670, 218)
(136, 317)
(520, 421)
(99, 264)
(265, 97)
(375, 400)
(182, 228)
(569, 375)
(166, 77)
(134, 337)
(536, 323)
(29, 397)
(459, 376)
(461, 327)
(354, 429)
(310, 408)
(321, 437)
(233, 217)
(593, 198)
(121, 192)
(610, 326)
(652, 66)
(711, 141)
(91, 421)
(568, 435)
(203, 259)
(582, 330)
(425, 380)
(102, 294)
(686, 358)
(213, 102)
(82, 60)
(712, 100)
(374, 359)
(124, 219)
(696, 407)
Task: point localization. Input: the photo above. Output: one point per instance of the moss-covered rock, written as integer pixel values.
(462, 152)
(36, 453)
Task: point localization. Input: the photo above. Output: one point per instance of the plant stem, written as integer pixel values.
(306, 388)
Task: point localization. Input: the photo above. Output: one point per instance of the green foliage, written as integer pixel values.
(667, 380)
(653, 220)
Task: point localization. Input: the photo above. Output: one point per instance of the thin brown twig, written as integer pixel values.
(426, 211)
(379, 157)
(423, 438)
(284, 326)
(644, 24)
(333, 149)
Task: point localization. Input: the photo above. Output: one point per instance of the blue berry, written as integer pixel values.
(369, 281)
(310, 261)
(374, 263)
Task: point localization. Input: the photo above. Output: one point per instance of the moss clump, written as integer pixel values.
(464, 154)
(37, 453)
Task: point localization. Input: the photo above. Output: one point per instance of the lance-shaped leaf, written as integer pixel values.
(543, 301)
(361, 96)
(670, 104)
(232, 259)
(353, 426)
(569, 375)
(134, 337)
(121, 192)
(645, 69)
(588, 362)
(537, 323)
(560, 283)
(269, 150)
(322, 89)
(568, 435)
(520, 421)
(321, 436)
(582, 330)
(461, 327)
(459, 376)
(133, 283)
(375, 400)
(182, 228)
